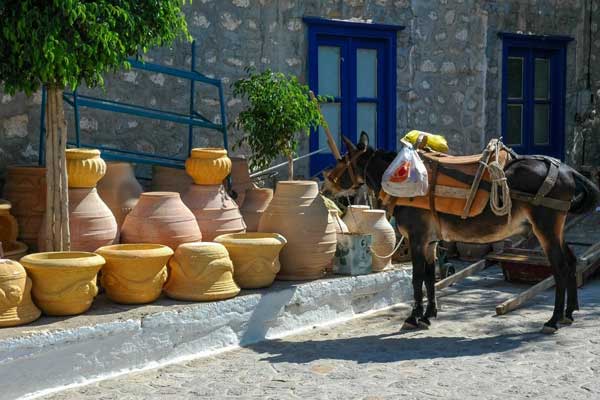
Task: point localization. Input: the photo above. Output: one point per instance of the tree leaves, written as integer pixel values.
(279, 108)
(66, 42)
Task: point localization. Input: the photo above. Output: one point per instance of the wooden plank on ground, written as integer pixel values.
(459, 276)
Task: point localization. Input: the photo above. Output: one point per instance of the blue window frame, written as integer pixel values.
(533, 93)
(355, 64)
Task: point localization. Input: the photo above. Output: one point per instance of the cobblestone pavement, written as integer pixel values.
(468, 354)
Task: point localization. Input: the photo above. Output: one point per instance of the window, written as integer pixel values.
(354, 64)
(533, 93)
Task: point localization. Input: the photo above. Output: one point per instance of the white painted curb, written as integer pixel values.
(43, 360)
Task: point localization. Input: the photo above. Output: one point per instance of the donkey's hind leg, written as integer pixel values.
(548, 228)
(431, 310)
(418, 276)
(572, 301)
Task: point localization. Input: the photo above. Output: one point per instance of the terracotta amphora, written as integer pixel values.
(215, 212)
(160, 218)
(208, 166)
(64, 282)
(240, 179)
(375, 223)
(201, 271)
(340, 225)
(119, 189)
(134, 273)
(255, 257)
(84, 167)
(352, 216)
(299, 214)
(25, 189)
(166, 179)
(91, 222)
(9, 229)
(16, 307)
(255, 203)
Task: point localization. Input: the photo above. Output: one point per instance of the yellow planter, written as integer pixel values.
(201, 271)
(255, 257)
(64, 283)
(208, 166)
(16, 307)
(134, 273)
(9, 229)
(84, 167)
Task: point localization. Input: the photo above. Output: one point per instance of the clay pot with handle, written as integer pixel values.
(256, 202)
(119, 189)
(375, 223)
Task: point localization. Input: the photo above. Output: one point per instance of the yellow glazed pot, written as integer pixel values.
(255, 257)
(64, 282)
(84, 167)
(201, 271)
(16, 307)
(134, 273)
(208, 166)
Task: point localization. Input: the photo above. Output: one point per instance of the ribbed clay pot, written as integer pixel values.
(119, 189)
(215, 212)
(299, 214)
(91, 222)
(255, 203)
(16, 307)
(375, 223)
(84, 167)
(9, 229)
(352, 216)
(64, 283)
(160, 218)
(25, 188)
(201, 271)
(134, 273)
(165, 179)
(340, 225)
(208, 166)
(255, 257)
(240, 179)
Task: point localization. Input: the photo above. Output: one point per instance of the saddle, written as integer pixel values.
(461, 184)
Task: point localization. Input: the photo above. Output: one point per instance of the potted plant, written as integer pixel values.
(279, 109)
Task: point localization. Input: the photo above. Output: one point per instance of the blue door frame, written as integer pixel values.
(350, 36)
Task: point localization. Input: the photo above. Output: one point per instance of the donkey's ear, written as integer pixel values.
(349, 145)
(364, 139)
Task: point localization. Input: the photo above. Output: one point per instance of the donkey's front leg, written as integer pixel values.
(418, 276)
(431, 311)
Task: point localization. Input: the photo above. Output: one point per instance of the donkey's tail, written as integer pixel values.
(587, 195)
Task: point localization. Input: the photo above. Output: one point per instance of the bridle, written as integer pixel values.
(349, 164)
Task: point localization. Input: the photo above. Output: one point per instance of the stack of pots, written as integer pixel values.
(299, 214)
(215, 212)
(91, 223)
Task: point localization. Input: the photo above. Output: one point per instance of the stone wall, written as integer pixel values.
(449, 69)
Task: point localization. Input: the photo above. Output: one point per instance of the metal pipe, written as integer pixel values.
(192, 98)
(274, 167)
(42, 149)
(77, 125)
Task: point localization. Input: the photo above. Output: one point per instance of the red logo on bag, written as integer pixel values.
(401, 173)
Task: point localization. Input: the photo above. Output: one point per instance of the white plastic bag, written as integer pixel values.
(406, 176)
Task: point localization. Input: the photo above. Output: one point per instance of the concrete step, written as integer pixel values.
(111, 339)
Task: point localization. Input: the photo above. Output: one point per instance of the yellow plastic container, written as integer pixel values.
(84, 167)
(435, 142)
(208, 166)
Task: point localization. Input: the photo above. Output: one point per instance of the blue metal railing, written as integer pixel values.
(192, 119)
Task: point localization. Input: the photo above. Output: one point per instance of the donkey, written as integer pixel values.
(424, 231)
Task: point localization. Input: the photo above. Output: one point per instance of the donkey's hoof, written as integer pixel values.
(549, 329)
(566, 321)
(424, 323)
(410, 323)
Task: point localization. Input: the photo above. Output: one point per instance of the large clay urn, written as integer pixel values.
(208, 166)
(299, 214)
(352, 216)
(16, 307)
(134, 273)
(25, 189)
(240, 179)
(375, 223)
(201, 271)
(64, 282)
(165, 179)
(119, 189)
(160, 218)
(255, 203)
(255, 257)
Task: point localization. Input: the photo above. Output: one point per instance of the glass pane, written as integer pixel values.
(331, 113)
(366, 120)
(515, 77)
(542, 78)
(514, 124)
(366, 73)
(329, 71)
(541, 128)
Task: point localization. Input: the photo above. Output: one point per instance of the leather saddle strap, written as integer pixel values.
(485, 156)
(548, 183)
(436, 217)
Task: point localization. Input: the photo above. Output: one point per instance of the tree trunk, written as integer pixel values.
(58, 237)
(290, 168)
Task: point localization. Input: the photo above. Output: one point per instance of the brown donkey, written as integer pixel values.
(364, 165)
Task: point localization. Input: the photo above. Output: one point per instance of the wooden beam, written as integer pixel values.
(459, 276)
(330, 141)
